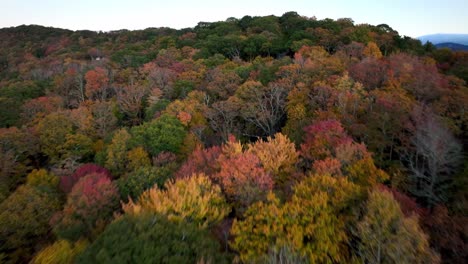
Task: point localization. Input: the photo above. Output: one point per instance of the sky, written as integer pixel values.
(412, 18)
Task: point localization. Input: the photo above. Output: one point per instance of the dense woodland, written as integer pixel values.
(254, 140)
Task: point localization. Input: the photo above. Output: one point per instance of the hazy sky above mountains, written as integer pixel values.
(412, 18)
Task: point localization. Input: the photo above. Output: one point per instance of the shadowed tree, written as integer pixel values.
(432, 158)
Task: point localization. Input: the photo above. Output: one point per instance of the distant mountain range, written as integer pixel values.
(452, 46)
(445, 38)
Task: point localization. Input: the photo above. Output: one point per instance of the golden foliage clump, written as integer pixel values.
(278, 156)
(138, 157)
(62, 251)
(372, 50)
(312, 224)
(386, 235)
(194, 199)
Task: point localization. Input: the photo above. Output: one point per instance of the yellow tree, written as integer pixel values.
(117, 152)
(387, 236)
(312, 223)
(278, 156)
(372, 50)
(193, 199)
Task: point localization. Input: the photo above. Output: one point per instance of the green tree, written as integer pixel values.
(141, 179)
(151, 238)
(53, 131)
(24, 217)
(163, 134)
(117, 152)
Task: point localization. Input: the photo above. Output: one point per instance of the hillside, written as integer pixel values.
(251, 140)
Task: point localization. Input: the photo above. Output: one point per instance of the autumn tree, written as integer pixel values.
(194, 200)
(137, 157)
(96, 83)
(371, 72)
(241, 176)
(116, 158)
(62, 251)
(372, 50)
(322, 138)
(83, 119)
(419, 77)
(200, 161)
(388, 112)
(40, 107)
(89, 207)
(387, 236)
(222, 83)
(161, 78)
(312, 224)
(278, 156)
(67, 182)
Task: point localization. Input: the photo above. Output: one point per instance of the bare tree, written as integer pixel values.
(222, 116)
(104, 118)
(265, 107)
(130, 102)
(432, 159)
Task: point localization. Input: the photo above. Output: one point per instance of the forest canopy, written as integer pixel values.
(251, 140)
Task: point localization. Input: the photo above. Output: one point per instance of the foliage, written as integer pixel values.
(149, 238)
(24, 219)
(278, 156)
(165, 133)
(310, 223)
(117, 152)
(67, 182)
(322, 138)
(142, 178)
(242, 177)
(41, 179)
(195, 200)
(358, 105)
(200, 161)
(62, 251)
(53, 131)
(90, 205)
(447, 234)
(96, 81)
(137, 158)
(387, 236)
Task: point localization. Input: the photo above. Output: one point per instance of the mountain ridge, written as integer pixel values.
(445, 38)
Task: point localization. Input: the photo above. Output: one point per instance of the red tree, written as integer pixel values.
(90, 206)
(200, 161)
(67, 182)
(96, 83)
